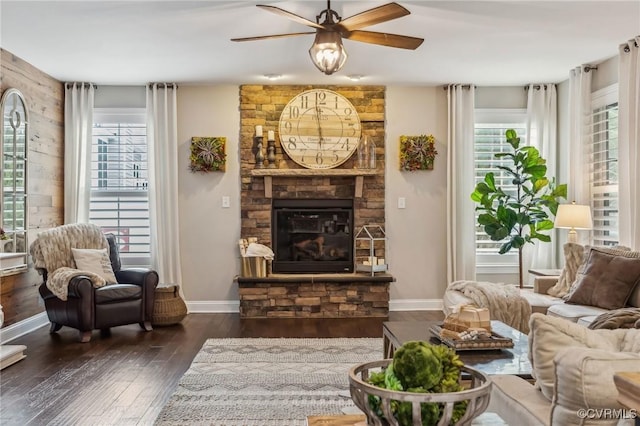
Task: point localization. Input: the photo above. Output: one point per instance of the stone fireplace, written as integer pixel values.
(314, 287)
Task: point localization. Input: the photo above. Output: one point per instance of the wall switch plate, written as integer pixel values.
(226, 202)
(402, 202)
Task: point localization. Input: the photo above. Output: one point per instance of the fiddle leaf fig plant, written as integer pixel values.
(520, 214)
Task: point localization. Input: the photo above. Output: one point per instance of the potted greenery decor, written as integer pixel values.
(521, 215)
(417, 152)
(207, 154)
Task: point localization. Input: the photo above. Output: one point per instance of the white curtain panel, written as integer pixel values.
(78, 128)
(461, 228)
(541, 133)
(579, 135)
(629, 143)
(162, 134)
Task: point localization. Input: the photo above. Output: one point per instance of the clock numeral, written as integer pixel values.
(304, 151)
(304, 102)
(288, 126)
(348, 111)
(336, 107)
(321, 98)
(294, 111)
(292, 143)
(353, 129)
(319, 158)
(336, 156)
(345, 144)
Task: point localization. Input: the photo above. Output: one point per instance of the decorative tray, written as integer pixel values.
(496, 341)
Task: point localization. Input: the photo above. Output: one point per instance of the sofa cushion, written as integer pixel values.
(608, 280)
(118, 293)
(550, 334)
(573, 258)
(584, 379)
(573, 312)
(96, 261)
(518, 402)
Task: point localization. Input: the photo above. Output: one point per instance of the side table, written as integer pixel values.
(168, 306)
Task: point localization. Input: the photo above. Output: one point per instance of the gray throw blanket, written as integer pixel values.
(52, 251)
(502, 300)
(618, 318)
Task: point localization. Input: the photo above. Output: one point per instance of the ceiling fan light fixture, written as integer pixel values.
(327, 52)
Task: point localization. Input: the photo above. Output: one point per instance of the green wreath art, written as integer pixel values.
(417, 152)
(207, 154)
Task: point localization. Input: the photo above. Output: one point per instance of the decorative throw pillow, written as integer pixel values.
(615, 250)
(550, 334)
(573, 258)
(607, 282)
(96, 261)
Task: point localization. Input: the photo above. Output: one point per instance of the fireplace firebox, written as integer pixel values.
(312, 235)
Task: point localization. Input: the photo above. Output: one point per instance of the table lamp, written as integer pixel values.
(573, 216)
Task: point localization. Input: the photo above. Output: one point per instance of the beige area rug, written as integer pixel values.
(267, 382)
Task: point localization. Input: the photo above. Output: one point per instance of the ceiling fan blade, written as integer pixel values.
(290, 15)
(383, 13)
(270, 36)
(385, 39)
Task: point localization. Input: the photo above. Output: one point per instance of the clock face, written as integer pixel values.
(319, 129)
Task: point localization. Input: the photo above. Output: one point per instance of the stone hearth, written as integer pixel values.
(315, 296)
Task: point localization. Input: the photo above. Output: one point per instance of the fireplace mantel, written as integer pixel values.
(359, 174)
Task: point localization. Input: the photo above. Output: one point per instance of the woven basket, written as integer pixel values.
(168, 307)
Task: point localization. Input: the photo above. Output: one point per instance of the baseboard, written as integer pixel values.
(233, 306)
(213, 306)
(415, 305)
(23, 327)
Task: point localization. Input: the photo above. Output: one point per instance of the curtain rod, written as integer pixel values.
(627, 49)
(163, 85)
(538, 86)
(95, 86)
(464, 86)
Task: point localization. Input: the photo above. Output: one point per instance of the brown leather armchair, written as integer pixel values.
(88, 308)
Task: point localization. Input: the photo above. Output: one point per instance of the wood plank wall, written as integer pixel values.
(44, 96)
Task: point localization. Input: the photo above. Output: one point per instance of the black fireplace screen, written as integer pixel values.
(312, 236)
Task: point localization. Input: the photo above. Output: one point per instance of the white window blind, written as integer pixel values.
(489, 140)
(603, 162)
(119, 180)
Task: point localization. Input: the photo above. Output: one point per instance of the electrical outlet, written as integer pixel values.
(226, 202)
(402, 202)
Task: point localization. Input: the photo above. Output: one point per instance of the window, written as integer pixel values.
(603, 161)
(490, 128)
(119, 180)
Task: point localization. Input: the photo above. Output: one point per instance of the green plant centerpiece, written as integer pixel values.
(420, 367)
(521, 215)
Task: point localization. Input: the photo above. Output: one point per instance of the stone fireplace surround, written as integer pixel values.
(310, 295)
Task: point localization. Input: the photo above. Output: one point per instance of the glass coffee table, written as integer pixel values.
(513, 361)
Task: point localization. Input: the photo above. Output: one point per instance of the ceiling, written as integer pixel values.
(488, 43)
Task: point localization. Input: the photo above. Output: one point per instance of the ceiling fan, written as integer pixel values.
(327, 52)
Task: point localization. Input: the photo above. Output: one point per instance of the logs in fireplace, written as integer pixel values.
(312, 235)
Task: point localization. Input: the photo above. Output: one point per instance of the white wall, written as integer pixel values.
(417, 234)
(209, 234)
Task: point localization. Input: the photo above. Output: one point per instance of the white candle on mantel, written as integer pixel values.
(259, 131)
(271, 135)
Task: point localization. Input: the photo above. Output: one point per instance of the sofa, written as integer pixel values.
(594, 280)
(573, 368)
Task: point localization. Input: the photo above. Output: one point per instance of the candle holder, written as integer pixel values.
(271, 154)
(259, 155)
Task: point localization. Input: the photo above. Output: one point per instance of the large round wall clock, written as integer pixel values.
(319, 129)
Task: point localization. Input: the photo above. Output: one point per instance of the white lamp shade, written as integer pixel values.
(573, 216)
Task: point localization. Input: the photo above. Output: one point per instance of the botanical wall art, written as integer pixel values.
(207, 154)
(417, 152)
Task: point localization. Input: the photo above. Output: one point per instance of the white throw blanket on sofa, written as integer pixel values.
(502, 300)
(52, 251)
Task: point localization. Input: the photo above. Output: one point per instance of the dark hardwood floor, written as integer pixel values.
(125, 378)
